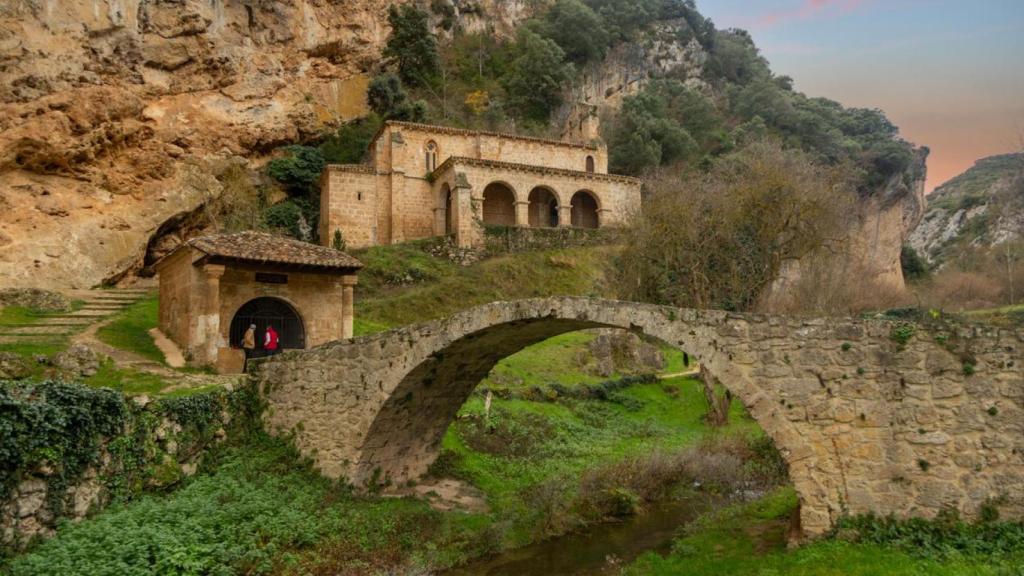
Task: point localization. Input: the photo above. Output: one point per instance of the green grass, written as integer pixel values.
(564, 439)
(250, 516)
(750, 539)
(129, 329)
(126, 380)
(439, 288)
(44, 345)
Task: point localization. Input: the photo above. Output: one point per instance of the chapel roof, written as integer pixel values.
(468, 132)
(262, 248)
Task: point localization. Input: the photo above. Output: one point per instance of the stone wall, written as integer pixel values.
(158, 444)
(399, 197)
(870, 415)
(515, 239)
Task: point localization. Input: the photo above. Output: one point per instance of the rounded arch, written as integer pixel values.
(585, 208)
(445, 203)
(424, 392)
(499, 205)
(590, 164)
(268, 311)
(543, 211)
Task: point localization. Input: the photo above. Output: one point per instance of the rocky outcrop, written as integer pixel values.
(981, 208)
(112, 110)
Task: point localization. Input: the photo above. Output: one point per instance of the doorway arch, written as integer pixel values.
(446, 202)
(584, 210)
(543, 208)
(268, 311)
(499, 205)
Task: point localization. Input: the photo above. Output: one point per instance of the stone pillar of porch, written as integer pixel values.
(564, 216)
(523, 214)
(210, 320)
(348, 306)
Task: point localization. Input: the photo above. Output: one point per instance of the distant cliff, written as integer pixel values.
(981, 208)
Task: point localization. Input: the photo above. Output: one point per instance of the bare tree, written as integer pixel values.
(718, 240)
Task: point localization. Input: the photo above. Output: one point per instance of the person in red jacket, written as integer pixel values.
(270, 341)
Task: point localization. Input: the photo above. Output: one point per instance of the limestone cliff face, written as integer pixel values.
(112, 111)
(981, 208)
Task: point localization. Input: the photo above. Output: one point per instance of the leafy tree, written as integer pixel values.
(538, 72)
(411, 44)
(914, 267)
(298, 171)
(388, 99)
(735, 59)
(577, 30)
(349, 143)
(626, 18)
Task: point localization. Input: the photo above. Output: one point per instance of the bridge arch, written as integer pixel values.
(852, 412)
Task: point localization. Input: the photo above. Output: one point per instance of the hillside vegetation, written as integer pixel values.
(968, 252)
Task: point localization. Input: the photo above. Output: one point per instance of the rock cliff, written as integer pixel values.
(112, 113)
(983, 207)
(117, 116)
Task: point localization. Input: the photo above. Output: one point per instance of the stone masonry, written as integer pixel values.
(422, 181)
(865, 421)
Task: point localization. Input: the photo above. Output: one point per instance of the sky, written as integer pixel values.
(949, 73)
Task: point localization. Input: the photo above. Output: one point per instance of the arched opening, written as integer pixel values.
(590, 164)
(499, 205)
(543, 208)
(265, 312)
(447, 203)
(441, 408)
(584, 210)
(430, 152)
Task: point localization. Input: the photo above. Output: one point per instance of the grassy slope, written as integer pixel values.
(434, 288)
(129, 329)
(46, 345)
(751, 540)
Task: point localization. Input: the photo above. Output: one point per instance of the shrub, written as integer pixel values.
(298, 170)
(387, 97)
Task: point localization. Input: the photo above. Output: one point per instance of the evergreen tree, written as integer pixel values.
(411, 45)
(539, 71)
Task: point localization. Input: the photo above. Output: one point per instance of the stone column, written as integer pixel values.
(348, 305)
(564, 215)
(604, 217)
(210, 320)
(523, 214)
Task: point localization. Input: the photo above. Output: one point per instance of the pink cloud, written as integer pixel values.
(809, 9)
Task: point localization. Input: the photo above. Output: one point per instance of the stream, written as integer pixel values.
(602, 549)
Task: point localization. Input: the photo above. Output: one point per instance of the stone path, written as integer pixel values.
(99, 309)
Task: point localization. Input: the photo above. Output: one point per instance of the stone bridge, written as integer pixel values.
(870, 415)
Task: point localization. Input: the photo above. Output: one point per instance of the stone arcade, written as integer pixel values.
(865, 423)
(424, 181)
(213, 287)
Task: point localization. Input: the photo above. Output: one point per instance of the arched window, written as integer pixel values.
(431, 154)
(590, 164)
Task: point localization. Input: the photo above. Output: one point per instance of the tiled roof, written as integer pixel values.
(468, 132)
(263, 248)
(453, 160)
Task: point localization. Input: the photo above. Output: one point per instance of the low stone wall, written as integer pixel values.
(514, 239)
(69, 450)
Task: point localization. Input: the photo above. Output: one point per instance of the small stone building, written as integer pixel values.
(213, 287)
(424, 181)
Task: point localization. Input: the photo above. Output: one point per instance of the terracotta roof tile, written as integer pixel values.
(263, 248)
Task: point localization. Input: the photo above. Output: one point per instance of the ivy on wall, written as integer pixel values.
(58, 431)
